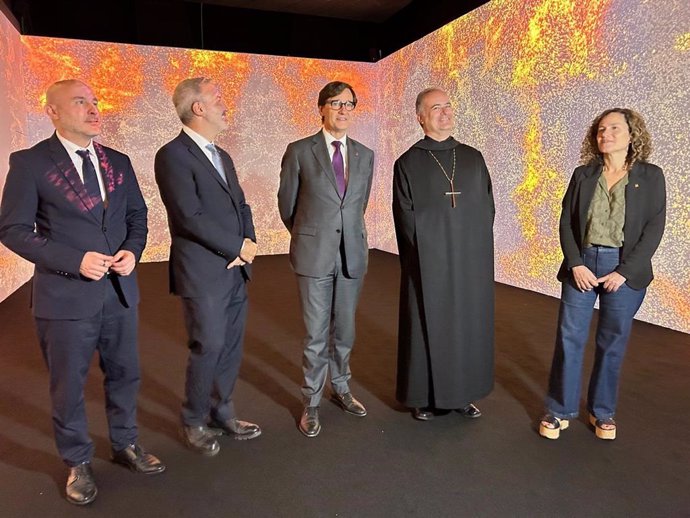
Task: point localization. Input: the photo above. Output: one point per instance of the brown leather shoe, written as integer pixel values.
(238, 429)
(201, 440)
(135, 458)
(81, 486)
(309, 424)
(350, 404)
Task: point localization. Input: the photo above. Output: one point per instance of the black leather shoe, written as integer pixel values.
(423, 414)
(309, 424)
(470, 411)
(135, 458)
(240, 430)
(201, 440)
(81, 487)
(350, 404)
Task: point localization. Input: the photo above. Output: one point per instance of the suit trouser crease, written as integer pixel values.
(68, 347)
(328, 305)
(616, 313)
(215, 327)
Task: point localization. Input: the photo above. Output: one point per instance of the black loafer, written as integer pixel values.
(470, 411)
(201, 440)
(135, 458)
(238, 429)
(423, 414)
(309, 423)
(81, 486)
(348, 403)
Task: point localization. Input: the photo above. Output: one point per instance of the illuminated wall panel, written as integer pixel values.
(271, 102)
(13, 128)
(527, 78)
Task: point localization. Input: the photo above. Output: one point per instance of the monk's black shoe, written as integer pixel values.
(470, 411)
(423, 414)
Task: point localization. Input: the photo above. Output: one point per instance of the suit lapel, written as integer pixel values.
(352, 165)
(203, 159)
(633, 191)
(587, 187)
(323, 158)
(64, 163)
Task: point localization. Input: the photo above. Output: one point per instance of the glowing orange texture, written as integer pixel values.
(229, 69)
(115, 72)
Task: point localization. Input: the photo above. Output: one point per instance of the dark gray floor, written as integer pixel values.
(384, 465)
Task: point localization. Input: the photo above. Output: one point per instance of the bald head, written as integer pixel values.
(73, 110)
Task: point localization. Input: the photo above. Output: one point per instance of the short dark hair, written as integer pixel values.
(335, 88)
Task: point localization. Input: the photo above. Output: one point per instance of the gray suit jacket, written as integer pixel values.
(311, 209)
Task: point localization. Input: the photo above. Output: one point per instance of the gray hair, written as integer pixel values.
(421, 95)
(186, 94)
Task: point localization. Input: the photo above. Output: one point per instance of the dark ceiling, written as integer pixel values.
(355, 30)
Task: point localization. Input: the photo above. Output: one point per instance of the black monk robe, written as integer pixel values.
(446, 327)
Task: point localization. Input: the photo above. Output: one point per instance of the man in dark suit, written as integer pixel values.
(213, 244)
(325, 182)
(73, 208)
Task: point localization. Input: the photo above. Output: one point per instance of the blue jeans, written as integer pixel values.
(616, 312)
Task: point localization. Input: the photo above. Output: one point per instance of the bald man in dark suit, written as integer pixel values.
(73, 208)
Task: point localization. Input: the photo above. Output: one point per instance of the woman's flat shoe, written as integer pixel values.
(550, 426)
(604, 428)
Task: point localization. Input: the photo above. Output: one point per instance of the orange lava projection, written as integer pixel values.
(526, 78)
(115, 72)
(229, 69)
(302, 79)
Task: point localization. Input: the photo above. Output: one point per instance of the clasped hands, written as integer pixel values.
(95, 265)
(247, 254)
(585, 280)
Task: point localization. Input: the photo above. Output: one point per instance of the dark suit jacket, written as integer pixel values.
(645, 217)
(313, 212)
(44, 189)
(208, 218)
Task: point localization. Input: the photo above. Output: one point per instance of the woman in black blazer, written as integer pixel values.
(611, 224)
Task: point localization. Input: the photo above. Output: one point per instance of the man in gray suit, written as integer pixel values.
(325, 181)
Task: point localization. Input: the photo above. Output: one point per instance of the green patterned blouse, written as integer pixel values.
(606, 214)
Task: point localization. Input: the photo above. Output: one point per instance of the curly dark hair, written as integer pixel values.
(640, 140)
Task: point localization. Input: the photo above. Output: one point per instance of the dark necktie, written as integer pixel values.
(339, 168)
(91, 181)
(217, 161)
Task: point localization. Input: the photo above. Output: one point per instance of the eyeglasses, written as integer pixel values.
(336, 105)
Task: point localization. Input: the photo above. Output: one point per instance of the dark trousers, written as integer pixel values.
(616, 312)
(215, 326)
(68, 346)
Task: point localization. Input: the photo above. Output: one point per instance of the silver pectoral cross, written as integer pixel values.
(452, 195)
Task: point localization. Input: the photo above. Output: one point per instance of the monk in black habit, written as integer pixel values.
(444, 212)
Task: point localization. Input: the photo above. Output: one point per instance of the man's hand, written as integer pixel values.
(248, 250)
(123, 263)
(612, 281)
(94, 265)
(236, 262)
(584, 279)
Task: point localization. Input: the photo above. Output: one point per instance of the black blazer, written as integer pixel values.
(208, 218)
(645, 217)
(44, 189)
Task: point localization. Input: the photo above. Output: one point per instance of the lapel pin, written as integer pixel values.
(637, 185)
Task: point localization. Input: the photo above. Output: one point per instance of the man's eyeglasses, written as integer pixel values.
(336, 105)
